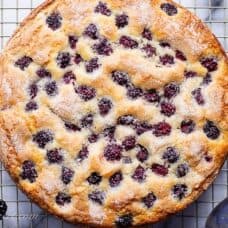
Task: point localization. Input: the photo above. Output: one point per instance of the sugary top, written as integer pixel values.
(113, 112)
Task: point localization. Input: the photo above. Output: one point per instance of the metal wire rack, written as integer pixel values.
(22, 213)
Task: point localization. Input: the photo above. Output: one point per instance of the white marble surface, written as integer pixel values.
(32, 216)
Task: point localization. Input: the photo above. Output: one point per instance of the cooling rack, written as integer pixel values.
(24, 214)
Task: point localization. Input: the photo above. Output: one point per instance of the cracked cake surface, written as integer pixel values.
(113, 113)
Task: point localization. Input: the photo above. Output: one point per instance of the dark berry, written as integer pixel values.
(103, 9)
(54, 156)
(211, 130)
(54, 21)
(124, 221)
(210, 63)
(62, 198)
(171, 90)
(128, 42)
(42, 138)
(94, 178)
(180, 55)
(167, 109)
(149, 200)
(159, 169)
(109, 132)
(43, 73)
(151, 96)
(142, 153)
(92, 65)
(63, 59)
(121, 20)
(141, 127)
(164, 44)
(208, 158)
(3, 208)
(182, 170)
(77, 59)
(28, 171)
(104, 106)
(134, 92)
(149, 50)
(87, 120)
(97, 197)
(93, 138)
(190, 74)
(139, 174)
(71, 126)
(69, 77)
(33, 90)
(31, 106)
(86, 92)
(126, 120)
(171, 155)
(147, 34)
(92, 31)
(23, 62)
(162, 129)
(115, 179)
(83, 154)
(129, 142)
(198, 96)
(187, 126)
(169, 9)
(67, 175)
(120, 77)
(207, 79)
(73, 41)
(113, 152)
(179, 191)
(167, 59)
(103, 47)
(51, 88)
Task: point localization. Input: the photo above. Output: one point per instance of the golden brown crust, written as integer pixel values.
(183, 31)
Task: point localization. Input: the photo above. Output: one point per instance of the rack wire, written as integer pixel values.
(24, 214)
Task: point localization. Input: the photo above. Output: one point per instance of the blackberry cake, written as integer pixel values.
(113, 112)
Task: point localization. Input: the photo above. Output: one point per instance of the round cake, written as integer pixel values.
(113, 112)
